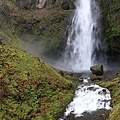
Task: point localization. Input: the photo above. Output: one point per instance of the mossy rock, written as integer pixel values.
(97, 70)
(111, 24)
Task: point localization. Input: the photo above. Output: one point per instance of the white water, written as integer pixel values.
(83, 38)
(82, 44)
(89, 97)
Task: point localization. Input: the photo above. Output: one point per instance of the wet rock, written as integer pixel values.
(50, 3)
(104, 90)
(67, 4)
(101, 114)
(95, 77)
(97, 70)
(1, 41)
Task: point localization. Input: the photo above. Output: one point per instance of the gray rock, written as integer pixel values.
(27, 3)
(97, 70)
(39, 4)
(67, 4)
(49, 3)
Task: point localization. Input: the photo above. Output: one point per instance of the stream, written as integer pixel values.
(91, 102)
(83, 50)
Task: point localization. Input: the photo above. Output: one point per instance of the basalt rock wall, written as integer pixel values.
(110, 11)
(64, 4)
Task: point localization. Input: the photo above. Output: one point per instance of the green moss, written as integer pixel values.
(115, 113)
(29, 88)
(45, 28)
(111, 25)
(10, 39)
(114, 87)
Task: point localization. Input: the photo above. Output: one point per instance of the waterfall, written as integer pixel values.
(83, 42)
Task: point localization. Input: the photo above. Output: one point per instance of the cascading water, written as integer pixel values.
(83, 50)
(83, 39)
(89, 97)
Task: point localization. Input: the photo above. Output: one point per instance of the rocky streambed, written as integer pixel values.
(91, 102)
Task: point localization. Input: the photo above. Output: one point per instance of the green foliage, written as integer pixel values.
(43, 27)
(29, 88)
(115, 113)
(111, 19)
(114, 87)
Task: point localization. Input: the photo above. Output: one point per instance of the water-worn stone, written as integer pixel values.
(97, 70)
(102, 114)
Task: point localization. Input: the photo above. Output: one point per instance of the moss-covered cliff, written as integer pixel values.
(110, 10)
(45, 28)
(48, 25)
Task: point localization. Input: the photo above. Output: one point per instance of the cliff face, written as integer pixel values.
(45, 28)
(49, 24)
(65, 4)
(110, 10)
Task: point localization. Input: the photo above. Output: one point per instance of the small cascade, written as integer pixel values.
(89, 97)
(83, 41)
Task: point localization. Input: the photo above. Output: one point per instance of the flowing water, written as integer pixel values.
(89, 97)
(82, 50)
(83, 41)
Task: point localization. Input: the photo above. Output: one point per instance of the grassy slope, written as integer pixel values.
(114, 87)
(29, 88)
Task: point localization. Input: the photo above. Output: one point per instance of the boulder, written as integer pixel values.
(97, 70)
